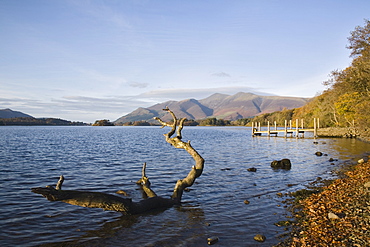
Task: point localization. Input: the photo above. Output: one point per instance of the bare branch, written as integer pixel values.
(145, 183)
(196, 170)
(179, 129)
(60, 182)
(125, 205)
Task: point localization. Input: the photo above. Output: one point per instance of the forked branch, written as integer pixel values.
(125, 205)
(176, 141)
(145, 183)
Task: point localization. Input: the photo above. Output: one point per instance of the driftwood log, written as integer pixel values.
(126, 205)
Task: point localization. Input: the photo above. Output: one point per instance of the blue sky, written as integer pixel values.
(86, 60)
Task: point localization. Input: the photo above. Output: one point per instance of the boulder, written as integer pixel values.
(259, 238)
(281, 164)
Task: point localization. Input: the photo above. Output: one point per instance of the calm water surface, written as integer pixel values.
(108, 159)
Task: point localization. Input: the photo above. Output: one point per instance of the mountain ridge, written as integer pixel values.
(8, 113)
(220, 106)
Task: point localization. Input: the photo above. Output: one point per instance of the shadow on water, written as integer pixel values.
(178, 226)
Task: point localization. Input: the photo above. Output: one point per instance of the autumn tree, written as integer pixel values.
(279, 117)
(359, 41)
(347, 97)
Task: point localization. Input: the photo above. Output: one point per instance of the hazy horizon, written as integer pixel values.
(83, 60)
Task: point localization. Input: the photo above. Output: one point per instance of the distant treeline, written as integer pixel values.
(201, 122)
(37, 121)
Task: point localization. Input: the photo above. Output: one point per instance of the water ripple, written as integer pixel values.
(109, 159)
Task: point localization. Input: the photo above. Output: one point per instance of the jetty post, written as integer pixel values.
(318, 123)
(297, 128)
(302, 124)
(285, 128)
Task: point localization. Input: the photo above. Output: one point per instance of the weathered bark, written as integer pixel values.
(145, 184)
(126, 205)
(176, 141)
(106, 201)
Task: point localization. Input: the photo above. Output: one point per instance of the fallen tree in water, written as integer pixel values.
(126, 205)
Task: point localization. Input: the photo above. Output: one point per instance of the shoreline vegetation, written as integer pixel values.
(29, 121)
(332, 213)
(330, 132)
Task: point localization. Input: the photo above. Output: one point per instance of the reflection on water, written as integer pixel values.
(107, 159)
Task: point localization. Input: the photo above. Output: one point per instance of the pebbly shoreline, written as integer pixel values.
(337, 214)
(340, 132)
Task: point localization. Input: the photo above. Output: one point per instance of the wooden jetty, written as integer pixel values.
(257, 131)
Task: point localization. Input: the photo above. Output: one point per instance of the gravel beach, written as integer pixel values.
(338, 215)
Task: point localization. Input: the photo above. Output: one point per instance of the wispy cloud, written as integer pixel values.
(77, 108)
(89, 109)
(138, 84)
(221, 74)
(199, 93)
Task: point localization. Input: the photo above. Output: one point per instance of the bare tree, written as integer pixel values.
(126, 205)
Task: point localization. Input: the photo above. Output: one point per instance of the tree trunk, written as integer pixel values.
(126, 205)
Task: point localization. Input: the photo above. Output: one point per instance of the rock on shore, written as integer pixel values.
(337, 132)
(363, 135)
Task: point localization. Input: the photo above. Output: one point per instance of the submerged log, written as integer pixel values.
(87, 199)
(126, 205)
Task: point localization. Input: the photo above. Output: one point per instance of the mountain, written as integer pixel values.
(10, 117)
(8, 113)
(221, 106)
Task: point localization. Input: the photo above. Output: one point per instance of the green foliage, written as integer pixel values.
(279, 117)
(190, 122)
(103, 122)
(138, 123)
(201, 122)
(214, 122)
(241, 122)
(347, 99)
(37, 121)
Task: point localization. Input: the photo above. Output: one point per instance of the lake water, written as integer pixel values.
(108, 159)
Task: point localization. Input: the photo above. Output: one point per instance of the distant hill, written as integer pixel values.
(220, 106)
(10, 117)
(8, 113)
